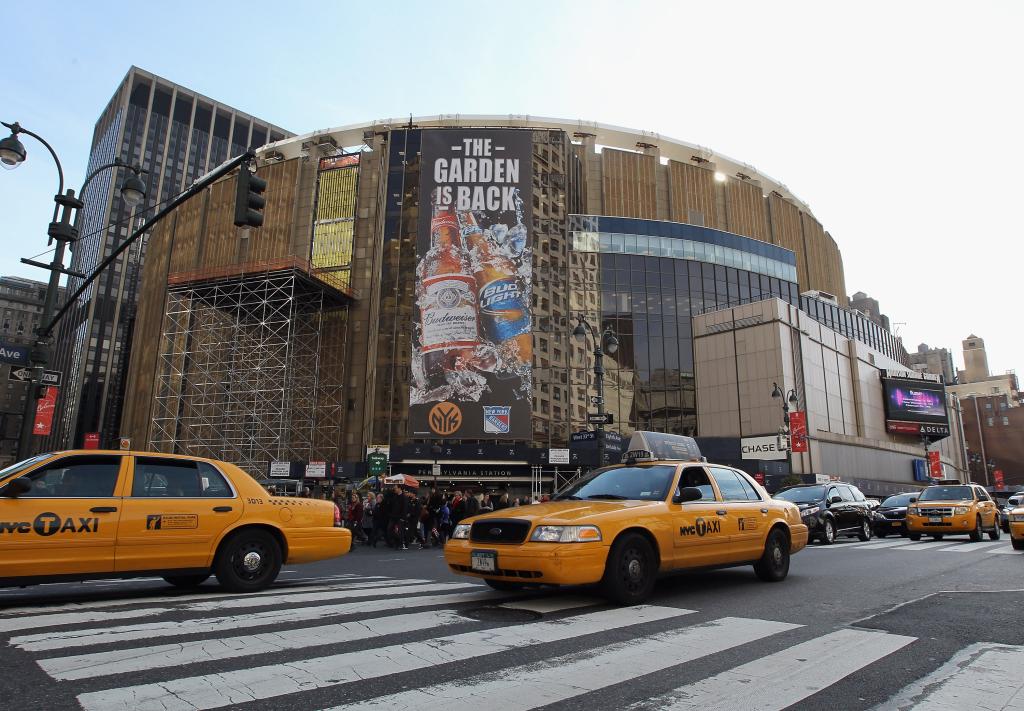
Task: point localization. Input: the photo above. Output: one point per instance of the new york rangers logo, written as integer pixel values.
(497, 419)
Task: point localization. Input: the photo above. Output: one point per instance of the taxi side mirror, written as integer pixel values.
(17, 487)
(687, 493)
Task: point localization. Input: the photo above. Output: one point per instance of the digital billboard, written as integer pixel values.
(915, 407)
(472, 341)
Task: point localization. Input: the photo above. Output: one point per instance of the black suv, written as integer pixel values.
(830, 510)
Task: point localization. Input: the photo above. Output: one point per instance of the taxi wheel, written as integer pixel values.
(914, 537)
(187, 581)
(1017, 543)
(937, 536)
(249, 561)
(995, 533)
(828, 532)
(503, 585)
(774, 563)
(865, 531)
(976, 534)
(630, 571)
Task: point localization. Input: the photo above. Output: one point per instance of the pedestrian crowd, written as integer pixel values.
(402, 520)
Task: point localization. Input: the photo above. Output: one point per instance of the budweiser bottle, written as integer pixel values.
(504, 311)
(447, 301)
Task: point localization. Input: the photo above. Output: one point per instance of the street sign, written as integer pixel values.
(377, 463)
(435, 470)
(596, 399)
(585, 436)
(50, 377)
(558, 456)
(606, 419)
(12, 354)
(316, 470)
(280, 469)
(92, 440)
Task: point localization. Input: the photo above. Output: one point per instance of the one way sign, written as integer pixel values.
(50, 377)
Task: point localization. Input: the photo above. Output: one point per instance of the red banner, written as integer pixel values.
(759, 478)
(934, 465)
(92, 440)
(998, 476)
(44, 411)
(798, 431)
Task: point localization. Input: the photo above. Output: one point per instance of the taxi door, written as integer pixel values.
(747, 515)
(175, 512)
(699, 528)
(67, 523)
(987, 508)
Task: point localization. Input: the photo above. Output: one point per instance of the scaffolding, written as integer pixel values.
(250, 368)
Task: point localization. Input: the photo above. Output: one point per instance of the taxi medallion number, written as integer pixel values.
(484, 561)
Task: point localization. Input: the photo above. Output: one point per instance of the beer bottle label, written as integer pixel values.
(448, 312)
(503, 310)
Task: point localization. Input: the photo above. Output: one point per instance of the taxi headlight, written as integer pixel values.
(961, 510)
(566, 534)
(912, 511)
(461, 531)
(1017, 518)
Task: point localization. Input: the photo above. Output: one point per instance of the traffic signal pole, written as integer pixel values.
(40, 355)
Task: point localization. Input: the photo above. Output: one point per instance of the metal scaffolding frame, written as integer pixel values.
(251, 370)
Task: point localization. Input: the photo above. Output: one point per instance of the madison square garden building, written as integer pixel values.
(415, 286)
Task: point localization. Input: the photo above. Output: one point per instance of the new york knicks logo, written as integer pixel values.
(445, 418)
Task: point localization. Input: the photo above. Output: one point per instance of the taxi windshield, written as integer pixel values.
(635, 483)
(946, 493)
(802, 494)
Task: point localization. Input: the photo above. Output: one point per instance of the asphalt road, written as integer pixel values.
(886, 624)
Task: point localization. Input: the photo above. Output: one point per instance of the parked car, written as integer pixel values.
(891, 516)
(1013, 502)
(831, 510)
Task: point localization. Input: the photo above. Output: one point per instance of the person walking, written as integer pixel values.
(368, 508)
(354, 517)
(380, 521)
(444, 522)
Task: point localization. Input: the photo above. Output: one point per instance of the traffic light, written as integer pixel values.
(249, 200)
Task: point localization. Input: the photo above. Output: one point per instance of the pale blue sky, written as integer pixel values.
(898, 122)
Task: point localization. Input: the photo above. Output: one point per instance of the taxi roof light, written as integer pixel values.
(661, 446)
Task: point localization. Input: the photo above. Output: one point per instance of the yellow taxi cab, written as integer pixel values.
(86, 514)
(623, 525)
(953, 509)
(1017, 528)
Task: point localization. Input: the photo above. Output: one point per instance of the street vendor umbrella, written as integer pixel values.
(368, 482)
(402, 480)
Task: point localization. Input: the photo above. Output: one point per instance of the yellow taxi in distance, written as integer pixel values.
(1017, 528)
(623, 525)
(951, 509)
(86, 514)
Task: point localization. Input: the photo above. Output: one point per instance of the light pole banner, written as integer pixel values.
(44, 411)
(472, 344)
(798, 431)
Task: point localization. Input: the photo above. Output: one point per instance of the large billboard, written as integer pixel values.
(472, 341)
(915, 407)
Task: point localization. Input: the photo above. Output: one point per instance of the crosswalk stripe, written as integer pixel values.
(350, 590)
(973, 547)
(1010, 551)
(988, 680)
(888, 544)
(217, 690)
(539, 684)
(917, 547)
(59, 639)
(292, 598)
(557, 603)
(787, 677)
(120, 661)
(207, 593)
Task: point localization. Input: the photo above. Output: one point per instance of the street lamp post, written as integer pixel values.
(778, 393)
(63, 231)
(607, 342)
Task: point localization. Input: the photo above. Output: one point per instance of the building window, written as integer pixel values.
(990, 421)
(1006, 422)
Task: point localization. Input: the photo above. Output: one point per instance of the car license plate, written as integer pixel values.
(483, 561)
(896, 524)
(935, 519)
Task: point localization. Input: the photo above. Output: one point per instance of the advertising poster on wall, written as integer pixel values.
(472, 341)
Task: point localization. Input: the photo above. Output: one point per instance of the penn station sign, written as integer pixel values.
(761, 448)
